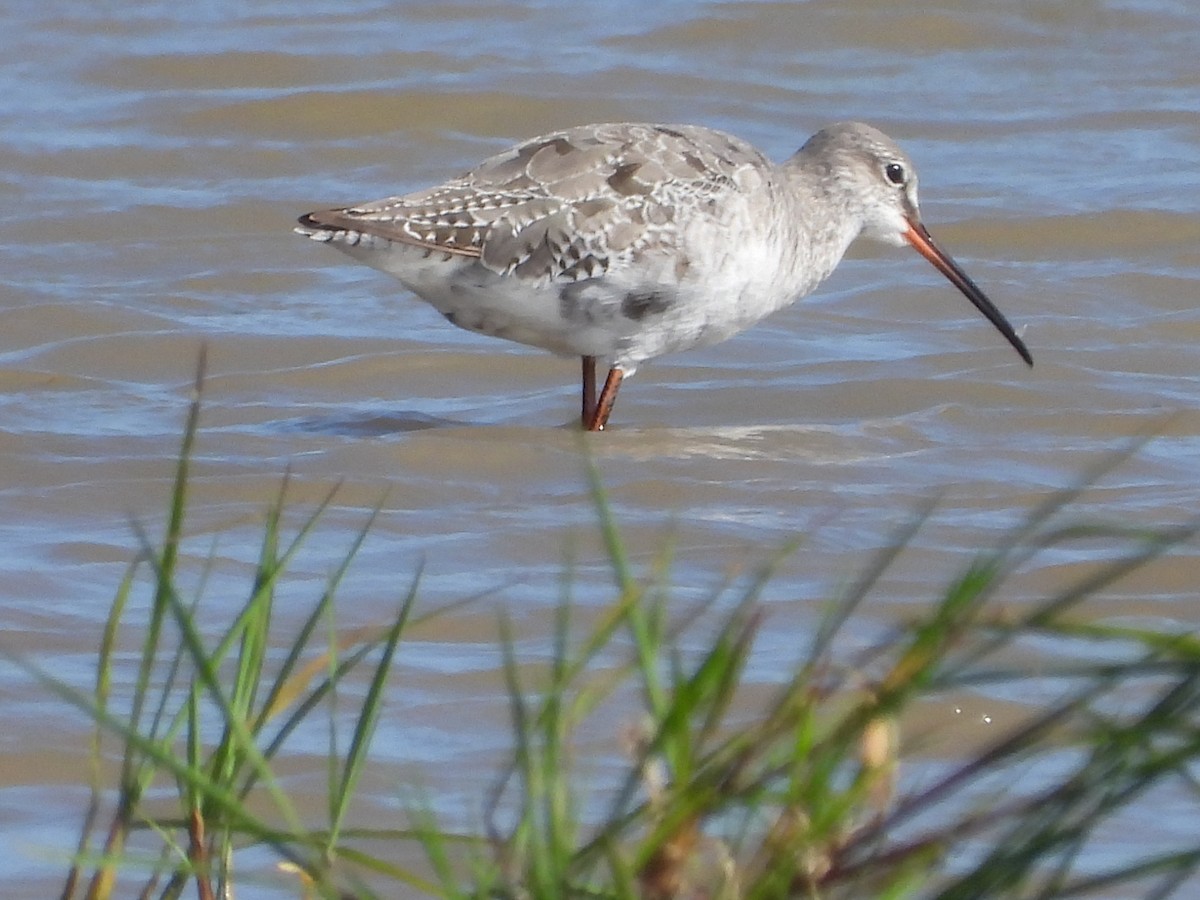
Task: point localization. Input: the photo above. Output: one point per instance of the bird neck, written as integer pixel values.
(824, 218)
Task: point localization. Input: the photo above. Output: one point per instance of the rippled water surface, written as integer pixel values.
(156, 156)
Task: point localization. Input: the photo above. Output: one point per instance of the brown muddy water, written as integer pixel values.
(156, 155)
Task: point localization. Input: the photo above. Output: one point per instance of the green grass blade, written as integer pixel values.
(369, 714)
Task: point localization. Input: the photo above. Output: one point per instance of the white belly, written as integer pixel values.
(637, 310)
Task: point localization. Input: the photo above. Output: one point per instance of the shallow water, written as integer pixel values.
(156, 157)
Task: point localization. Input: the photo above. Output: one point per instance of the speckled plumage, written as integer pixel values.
(623, 242)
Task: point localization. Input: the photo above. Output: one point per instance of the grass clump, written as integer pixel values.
(207, 718)
(802, 795)
(720, 793)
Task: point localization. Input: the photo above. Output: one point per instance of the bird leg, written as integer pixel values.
(608, 396)
(589, 390)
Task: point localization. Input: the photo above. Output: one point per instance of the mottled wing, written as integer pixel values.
(565, 206)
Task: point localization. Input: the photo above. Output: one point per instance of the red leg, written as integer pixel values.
(589, 390)
(608, 396)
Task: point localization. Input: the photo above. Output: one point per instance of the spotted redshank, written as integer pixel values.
(624, 242)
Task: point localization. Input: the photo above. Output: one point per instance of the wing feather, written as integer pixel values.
(566, 206)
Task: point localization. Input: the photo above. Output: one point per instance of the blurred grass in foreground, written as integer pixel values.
(799, 796)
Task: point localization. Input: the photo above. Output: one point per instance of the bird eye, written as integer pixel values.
(895, 173)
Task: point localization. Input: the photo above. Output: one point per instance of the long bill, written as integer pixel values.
(922, 240)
